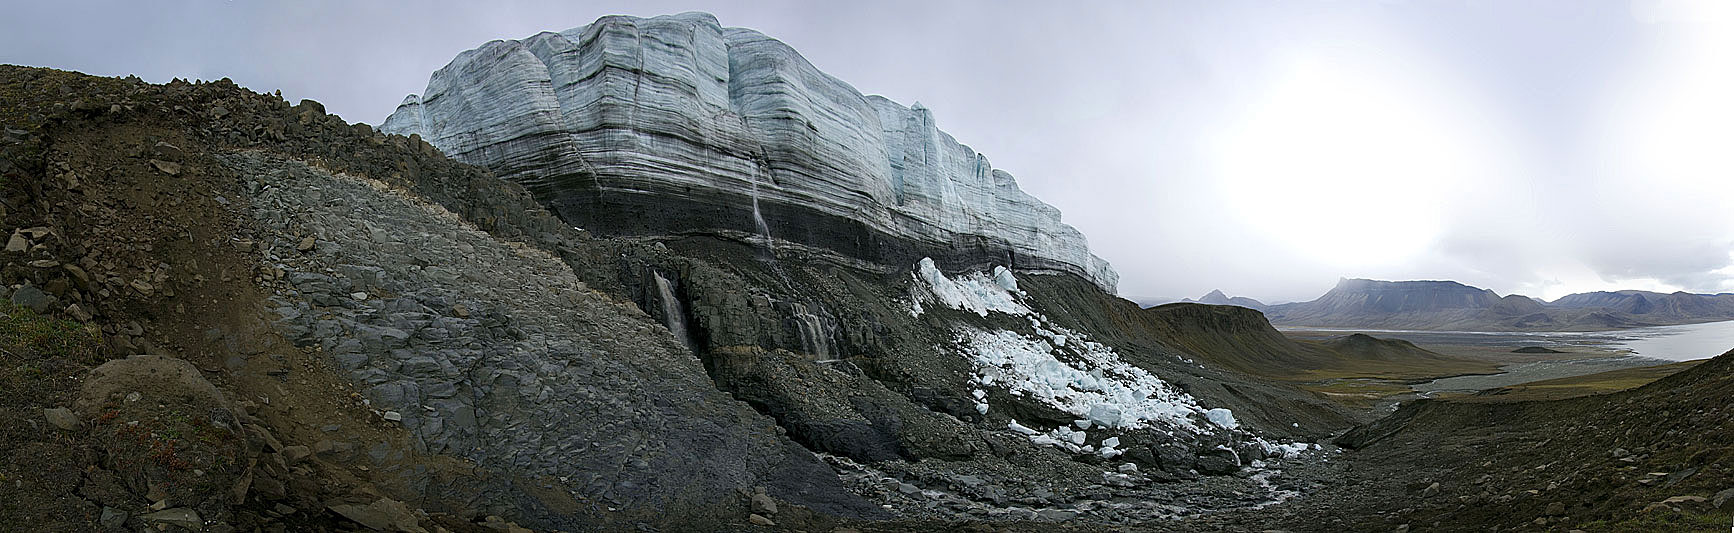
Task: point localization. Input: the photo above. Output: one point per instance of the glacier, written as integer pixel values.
(671, 124)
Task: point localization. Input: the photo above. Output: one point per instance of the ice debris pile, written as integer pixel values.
(1065, 370)
(1056, 366)
(1095, 385)
(974, 292)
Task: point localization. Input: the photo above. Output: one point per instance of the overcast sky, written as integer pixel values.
(1266, 148)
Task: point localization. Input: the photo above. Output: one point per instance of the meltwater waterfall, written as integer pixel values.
(673, 315)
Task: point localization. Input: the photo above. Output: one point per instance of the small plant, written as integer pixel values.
(26, 335)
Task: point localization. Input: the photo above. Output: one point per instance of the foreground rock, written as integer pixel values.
(621, 412)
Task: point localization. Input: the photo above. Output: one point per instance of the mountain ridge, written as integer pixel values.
(1450, 305)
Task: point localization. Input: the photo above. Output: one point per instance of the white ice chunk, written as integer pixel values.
(1105, 414)
(1222, 417)
(1003, 277)
(1015, 426)
(1111, 442)
(1286, 451)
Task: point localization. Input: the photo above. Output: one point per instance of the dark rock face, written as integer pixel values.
(675, 124)
(623, 412)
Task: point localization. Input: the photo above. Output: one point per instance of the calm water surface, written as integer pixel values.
(1634, 348)
(1678, 343)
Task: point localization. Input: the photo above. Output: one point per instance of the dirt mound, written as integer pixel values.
(1536, 349)
(1369, 348)
(157, 377)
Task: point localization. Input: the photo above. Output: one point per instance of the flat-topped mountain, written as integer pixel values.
(1449, 305)
(675, 124)
(1371, 296)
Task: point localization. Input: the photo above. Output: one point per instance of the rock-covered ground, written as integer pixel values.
(349, 331)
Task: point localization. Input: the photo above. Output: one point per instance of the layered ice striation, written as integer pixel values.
(674, 123)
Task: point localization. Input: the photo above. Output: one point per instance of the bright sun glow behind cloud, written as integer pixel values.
(1669, 133)
(1352, 159)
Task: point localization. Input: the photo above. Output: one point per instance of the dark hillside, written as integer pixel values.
(1655, 458)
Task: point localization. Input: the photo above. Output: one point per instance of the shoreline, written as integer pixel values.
(1576, 354)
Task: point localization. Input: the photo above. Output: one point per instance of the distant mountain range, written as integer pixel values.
(1449, 305)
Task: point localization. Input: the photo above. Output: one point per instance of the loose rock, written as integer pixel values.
(167, 167)
(61, 417)
(178, 517)
(112, 518)
(17, 243)
(385, 514)
(33, 298)
(294, 454)
(762, 503)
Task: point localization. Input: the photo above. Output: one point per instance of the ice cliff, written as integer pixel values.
(675, 124)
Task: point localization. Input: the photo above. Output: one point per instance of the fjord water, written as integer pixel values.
(1679, 343)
